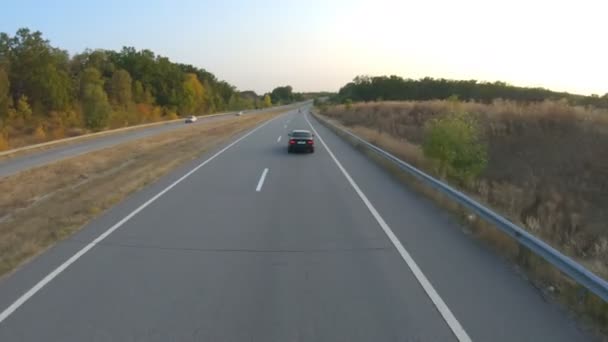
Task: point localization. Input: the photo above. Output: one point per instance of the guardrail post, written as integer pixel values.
(523, 256)
(581, 294)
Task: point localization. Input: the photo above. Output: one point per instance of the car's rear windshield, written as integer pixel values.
(301, 135)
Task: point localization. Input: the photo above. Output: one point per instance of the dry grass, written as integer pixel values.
(43, 205)
(545, 166)
(508, 195)
(76, 136)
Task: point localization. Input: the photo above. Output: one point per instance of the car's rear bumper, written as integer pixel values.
(301, 148)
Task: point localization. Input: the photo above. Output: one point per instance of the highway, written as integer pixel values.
(12, 165)
(250, 243)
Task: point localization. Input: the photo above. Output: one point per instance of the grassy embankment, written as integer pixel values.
(41, 206)
(545, 170)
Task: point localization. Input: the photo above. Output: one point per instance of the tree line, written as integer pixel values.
(285, 94)
(395, 88)
(46, 93)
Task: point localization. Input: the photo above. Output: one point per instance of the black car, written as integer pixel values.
(301, 141)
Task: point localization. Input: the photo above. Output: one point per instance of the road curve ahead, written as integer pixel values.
(250, 243)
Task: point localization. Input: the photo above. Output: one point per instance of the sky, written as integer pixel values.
(320, 45)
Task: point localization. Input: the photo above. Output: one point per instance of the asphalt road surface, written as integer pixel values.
(44, 156)
(250, 243)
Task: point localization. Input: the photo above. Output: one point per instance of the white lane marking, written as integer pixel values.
(279, 138)
(261, 181)
(31, 292)
(443, 309)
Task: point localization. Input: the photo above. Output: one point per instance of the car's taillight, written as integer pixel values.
(291, 141)
(310, 142)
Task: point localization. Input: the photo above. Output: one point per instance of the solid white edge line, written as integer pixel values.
(279, 138)
(443, 309)
(49, 277)
(261, 181)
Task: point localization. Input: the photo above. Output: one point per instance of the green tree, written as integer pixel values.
(267, 101)
(141, 94)
(138, 92)
(282, 95)
(4, 93)
(210, 94)
(95, 105)
(395, 88)
(121, 85)
(38, 70)
(23, 109)
(455, 142)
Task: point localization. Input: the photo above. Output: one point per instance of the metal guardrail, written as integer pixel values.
(130, 128)
(106, 132)
(574, 270)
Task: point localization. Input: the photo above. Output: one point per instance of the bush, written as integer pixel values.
(171, 115)
(454, 142)
(348, 103)
(4, 145)
(40, 134)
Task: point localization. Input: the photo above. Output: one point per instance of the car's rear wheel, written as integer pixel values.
(289, 150)
(312, 150)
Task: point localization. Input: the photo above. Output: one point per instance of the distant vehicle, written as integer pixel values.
(191, 119)
(239, 113)
(301, 141)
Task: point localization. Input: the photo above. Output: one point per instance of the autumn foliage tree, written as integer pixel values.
(43, 89)
(193, 97)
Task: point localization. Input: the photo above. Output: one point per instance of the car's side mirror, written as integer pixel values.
(313, 135)
(289, 134)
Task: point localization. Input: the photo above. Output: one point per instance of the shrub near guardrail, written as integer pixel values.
(454, 142)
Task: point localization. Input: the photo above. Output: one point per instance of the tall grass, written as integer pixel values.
(547, 171)
(547, 165)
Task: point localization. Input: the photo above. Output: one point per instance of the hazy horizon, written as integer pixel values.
(321, 46)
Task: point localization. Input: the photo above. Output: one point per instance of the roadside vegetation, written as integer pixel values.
(539, 163)
(395, 88)
(43, 205)
(46, 94)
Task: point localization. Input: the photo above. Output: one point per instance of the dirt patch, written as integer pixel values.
(41, 206)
